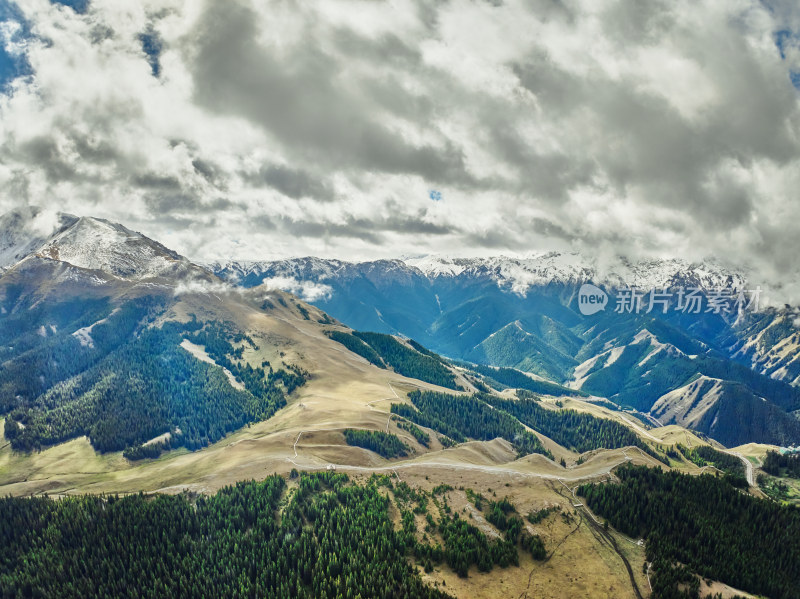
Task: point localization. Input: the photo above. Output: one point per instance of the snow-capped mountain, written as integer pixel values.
(520, 274)
(316, 270)
(516, 275)
(511, 312)
(523, 313)
(459, 305)
(84, 242)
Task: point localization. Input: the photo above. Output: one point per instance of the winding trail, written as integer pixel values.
(396, 397)
(603, 535)
(498, 470)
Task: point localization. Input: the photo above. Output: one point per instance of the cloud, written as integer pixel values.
(204, 286)
(306, 290)
(256, 130)
(44, 223)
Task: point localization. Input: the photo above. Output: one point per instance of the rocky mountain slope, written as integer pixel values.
(87, 243)
(110, 336)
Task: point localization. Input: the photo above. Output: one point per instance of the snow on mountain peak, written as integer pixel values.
(97, 244)
(514, 274)
(520, 274)
(438, 266)
(88, 243)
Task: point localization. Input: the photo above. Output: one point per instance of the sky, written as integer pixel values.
(370, 129)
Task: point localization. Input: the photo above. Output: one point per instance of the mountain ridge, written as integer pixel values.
(523, 313)
(504, 312)
(513, 273)
(85, 242)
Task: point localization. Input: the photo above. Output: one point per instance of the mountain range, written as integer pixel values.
(524, 314)
(459, 395)
(729, 374)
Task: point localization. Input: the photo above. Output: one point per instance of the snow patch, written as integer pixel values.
(84, 335)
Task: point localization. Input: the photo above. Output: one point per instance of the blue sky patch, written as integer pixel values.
(782, 39)
(13, 64)
(79, 6)
(152, 46)
(785, 39)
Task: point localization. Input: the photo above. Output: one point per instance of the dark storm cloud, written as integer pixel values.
(43, 153)
(387, 49)
(300, 101)
(547, 176)
(208, 171)
(166, 203)
(294, 183)
(371, 230)
(157, 181)
(646, 141)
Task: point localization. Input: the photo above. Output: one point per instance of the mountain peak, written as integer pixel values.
(85, 242)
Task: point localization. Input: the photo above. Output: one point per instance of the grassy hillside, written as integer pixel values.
(384, 350)
(105, 371)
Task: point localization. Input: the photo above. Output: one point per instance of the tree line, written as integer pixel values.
(705, 524)
(463, 544)
(782, 465)
(465, 416)
(332, 539)
(511, 377)
(421, 436)
(705, 455)
(385, 351)
(574, 430)
(385, 445)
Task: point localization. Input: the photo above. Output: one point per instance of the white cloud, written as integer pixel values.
(44, 223)
(307, 290)
(287, 128)
(206, 287)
